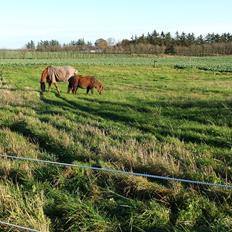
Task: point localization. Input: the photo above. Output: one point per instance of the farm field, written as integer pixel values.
(216, 63)
(171, 118)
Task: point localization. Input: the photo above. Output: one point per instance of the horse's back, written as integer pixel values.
(61, 73)
(86, 81)
(69, 70)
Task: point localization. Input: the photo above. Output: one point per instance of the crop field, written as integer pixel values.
(215, 64)
(167, 116)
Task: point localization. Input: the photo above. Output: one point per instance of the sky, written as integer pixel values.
(66, 20)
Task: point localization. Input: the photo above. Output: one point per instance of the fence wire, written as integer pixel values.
(104, 170)
(18, 227)
(118, 171)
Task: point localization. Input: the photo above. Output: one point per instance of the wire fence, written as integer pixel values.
(105, 170)
(118, 171)
(18, 227)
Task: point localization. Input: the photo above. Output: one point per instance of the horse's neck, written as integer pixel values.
(44, 75)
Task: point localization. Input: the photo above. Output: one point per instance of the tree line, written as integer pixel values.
(79, 45)
(180, 44)
(152, 43)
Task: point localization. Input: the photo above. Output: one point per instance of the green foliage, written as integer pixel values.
(153, 43)
(30, 45)
(200, 213)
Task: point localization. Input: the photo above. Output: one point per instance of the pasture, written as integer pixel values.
(171, 119)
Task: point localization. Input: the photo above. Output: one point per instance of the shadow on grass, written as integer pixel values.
(63, 154)
(210, 107)
(201, 113)
(117, 112)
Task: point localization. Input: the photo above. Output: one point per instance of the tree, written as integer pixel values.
(183, 40)
(177, 38)
(101, 43)
(30, 45)
(190, 39)
(43, 45)
(168, 39)
(111, 42)
(200, 40)
(52, 45)
(209, 38)
(80, 42)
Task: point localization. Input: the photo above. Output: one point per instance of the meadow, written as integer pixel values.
(168, 116)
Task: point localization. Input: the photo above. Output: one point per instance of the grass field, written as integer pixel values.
(165, 120)
(216, 63)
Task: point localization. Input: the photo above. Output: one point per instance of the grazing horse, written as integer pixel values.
(84, 82)
(53, 74)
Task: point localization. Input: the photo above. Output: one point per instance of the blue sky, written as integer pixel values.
(67, 20)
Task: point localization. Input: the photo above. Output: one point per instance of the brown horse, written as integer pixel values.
(53, 74)
(84, 82)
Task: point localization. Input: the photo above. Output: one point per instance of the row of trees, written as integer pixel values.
(182, 39)
(80, 45)
(152, 43)
(180, 44)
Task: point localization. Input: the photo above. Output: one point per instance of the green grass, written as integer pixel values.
(211, 63)
(163, 121)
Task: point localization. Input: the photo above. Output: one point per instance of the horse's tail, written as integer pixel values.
(43, 79)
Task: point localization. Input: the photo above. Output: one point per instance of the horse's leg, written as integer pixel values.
(57, 87)
(75, 90)
(87, 91)
(69, 89)
(49, 86)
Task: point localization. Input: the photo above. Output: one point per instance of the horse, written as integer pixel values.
(53, 74)
(84, 82)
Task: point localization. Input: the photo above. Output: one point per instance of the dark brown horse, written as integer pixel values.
(53, 74)
(84, 82)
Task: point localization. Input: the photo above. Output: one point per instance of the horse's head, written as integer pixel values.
(99, 88)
